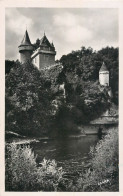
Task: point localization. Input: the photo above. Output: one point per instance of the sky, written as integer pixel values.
(68, 28)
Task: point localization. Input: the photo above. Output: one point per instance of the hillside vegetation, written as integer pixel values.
(34, 100)
(28, 107)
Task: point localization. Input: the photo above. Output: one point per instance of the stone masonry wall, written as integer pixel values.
(35, 61)
(46, 60)
(104, 79)
(25, 56)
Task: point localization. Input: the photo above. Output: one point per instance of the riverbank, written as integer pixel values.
(84, 130)
(69, 165)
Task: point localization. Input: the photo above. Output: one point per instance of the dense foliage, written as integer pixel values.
(85, 63)
(85, 98)
(101, 174)
(28, 108)
(23, 174)
(80, 109)
(35, 106)
(30, 93)
(8, 65)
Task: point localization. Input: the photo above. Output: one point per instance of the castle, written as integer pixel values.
(42, 56)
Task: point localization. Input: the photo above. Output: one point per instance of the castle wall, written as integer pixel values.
(46, 60)
(25, 56)
(35, 61)
(104, 78)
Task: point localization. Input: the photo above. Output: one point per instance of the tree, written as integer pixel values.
(28, 99)
(36, 44)
(9, 65)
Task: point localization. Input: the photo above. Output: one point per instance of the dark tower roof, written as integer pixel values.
(45, 42)
(26, 39)
(103, 67)
(25, 44)
(52, 44)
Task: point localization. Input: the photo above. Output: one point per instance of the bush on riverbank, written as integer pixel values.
(23, 174)
(103, 172)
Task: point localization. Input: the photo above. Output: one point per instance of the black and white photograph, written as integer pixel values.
(61, 99)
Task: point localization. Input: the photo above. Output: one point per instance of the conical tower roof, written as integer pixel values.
(45, 41)
(25, 44)
(103, 67)
(26, 39)
(52, 44)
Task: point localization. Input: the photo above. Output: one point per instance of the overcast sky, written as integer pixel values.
(69, 29)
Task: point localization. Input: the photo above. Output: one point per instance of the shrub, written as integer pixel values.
(23, 174)
(103, 173)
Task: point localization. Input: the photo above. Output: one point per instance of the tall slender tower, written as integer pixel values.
(104, 78)
(104, 75)
(25, 49)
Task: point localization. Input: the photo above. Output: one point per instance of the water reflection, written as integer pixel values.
(64, 149)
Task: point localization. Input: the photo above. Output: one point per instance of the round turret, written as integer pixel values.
(104, 75)
(25, 49)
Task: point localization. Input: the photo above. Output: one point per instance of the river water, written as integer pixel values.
(70, 153)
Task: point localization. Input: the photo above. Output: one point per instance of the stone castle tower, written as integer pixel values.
(41, 57)
(25, 49)
(44, 55)
(104, 78)
(104, 75)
